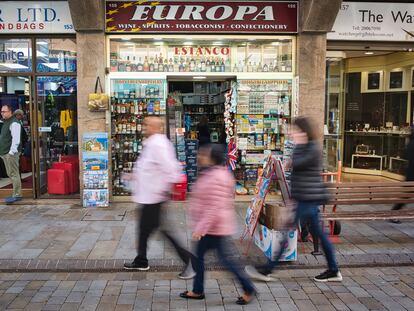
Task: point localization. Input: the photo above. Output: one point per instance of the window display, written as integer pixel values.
(56, 55)
(131, 101)
(15, 55)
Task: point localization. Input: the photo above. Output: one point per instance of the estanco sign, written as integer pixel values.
(202, 16)
(35, 17)
(374, 21)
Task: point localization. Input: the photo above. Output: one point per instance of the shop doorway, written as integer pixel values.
(57, 136)
(16, 91)
(197, 105)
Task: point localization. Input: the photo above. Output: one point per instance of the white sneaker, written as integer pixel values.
(188, 272)
(254, 274)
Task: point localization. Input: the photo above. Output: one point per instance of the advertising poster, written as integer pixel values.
(95, 169)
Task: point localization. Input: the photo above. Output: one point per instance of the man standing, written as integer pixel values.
(10, 148)
(155, 171)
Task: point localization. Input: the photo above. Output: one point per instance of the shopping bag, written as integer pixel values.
(98, 101)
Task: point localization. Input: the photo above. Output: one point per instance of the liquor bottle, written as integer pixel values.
(151, 65)
(181, 67)
(121, 65)
(198, 65)
(176, 64)
(166, 67)
(240, 66)
(140, 67)
(146, 65)
(192, 65)
(272, 67)
(228, 65)
(128, 65)
(208, 64)
(213, 65)
(171, 66)
(235, 68)
(203, 65)
(136, 109)
(259, 67)
(155, 60)
(245, 67)
(250, 67)
(222, 66)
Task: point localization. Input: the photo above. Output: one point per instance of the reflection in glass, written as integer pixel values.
(58, 122)
(15, 55)
(396, 79)
(56, 55)
(374, 80)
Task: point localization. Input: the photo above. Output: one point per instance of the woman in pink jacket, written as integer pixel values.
(213, 216)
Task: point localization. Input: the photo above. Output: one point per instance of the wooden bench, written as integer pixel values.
(366, 193)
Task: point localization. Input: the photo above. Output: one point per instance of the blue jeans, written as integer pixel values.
(218, 243)
(307, 212)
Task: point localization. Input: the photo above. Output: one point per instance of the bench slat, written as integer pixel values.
(372, 190)
(339, 196)
(371, 184)
(367, 201)
(378, 215)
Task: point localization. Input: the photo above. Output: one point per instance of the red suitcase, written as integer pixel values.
(57, 181)
(72, 172)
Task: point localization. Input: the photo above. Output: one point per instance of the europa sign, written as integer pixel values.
(202, 16)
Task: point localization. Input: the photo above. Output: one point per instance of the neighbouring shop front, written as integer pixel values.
(38, 75)
(369, 88)
(225, 72)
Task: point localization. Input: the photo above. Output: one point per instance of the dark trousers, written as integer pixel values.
(307, 212)
(217, 243)
(149, 221)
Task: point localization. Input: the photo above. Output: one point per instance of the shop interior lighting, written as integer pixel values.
(41, 42)
(218, 43)
(199, 77)
(188, 43)
(369, 53)
(275, 43)
(126, 39)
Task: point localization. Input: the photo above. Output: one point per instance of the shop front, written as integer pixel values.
(369, 88)
(215, 72)
(38, 76)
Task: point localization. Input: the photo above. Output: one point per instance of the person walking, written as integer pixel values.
(409, 172)
(212, 217)
(154, 174)
(10, 148)
(203, 131)
(309, 192)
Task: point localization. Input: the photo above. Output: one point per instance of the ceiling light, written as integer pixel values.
(188, 43)
(125, 39)
(369, 53)
(200, 77)
(157, 39)
(275, 43)
(218, 43)
(13, 66)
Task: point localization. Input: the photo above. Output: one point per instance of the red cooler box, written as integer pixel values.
(180, 190)
(72, 172)
(57, 181)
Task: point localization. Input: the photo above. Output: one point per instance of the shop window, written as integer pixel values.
(374, 79)
(200, 56)
(56, 55)
(396, 80)
(15, 55)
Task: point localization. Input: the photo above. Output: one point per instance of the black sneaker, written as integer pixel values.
(329, 276)
(141, 266)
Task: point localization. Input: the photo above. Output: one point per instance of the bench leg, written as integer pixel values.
(315, 240)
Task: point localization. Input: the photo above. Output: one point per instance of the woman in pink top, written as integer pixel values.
(213, 219)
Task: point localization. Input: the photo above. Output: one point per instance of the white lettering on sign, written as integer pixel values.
(189, 50)
(199, 12)
(374, 21)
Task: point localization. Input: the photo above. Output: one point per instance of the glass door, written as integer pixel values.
(57, 135)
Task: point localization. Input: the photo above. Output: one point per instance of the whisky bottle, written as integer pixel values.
(213, 65)
(208, 64)
(222, 66)
(198, 65)
(151, 66)
(203, 65)
(140, 67)
(121, 65)
(166, 67)
(128, 65)
(228, 65)
(259, 67)
(181, 67)
(146, 65)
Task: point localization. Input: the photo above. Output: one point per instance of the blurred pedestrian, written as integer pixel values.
(213, 220)
(203, 131)
(309, 192)
(155, 171)
(409, 173)
(10, 149)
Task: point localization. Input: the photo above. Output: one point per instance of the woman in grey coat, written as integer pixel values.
(309, 192)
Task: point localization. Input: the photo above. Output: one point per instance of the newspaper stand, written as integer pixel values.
(272, 169)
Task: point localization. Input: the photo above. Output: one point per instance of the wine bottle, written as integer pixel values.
(208, 64)
(140, 67)
(171, 66)
(213, 65)
(203, 65)
(146, 65)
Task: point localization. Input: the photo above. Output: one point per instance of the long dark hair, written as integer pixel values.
(306, 126)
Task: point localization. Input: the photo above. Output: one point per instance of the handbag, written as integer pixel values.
(98, 101)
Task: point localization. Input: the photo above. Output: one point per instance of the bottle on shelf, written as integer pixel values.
(146, 64)
(171, 66)
(208, 65)
(140, 66)
(203, 65)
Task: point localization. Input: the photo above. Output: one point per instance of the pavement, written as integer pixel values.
(361, 289)
(63, 237)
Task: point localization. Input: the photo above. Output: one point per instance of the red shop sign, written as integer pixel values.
(201, 16)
